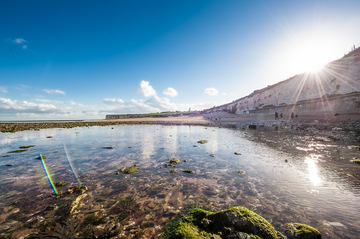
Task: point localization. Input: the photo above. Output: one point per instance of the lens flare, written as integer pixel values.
(72, 169)
(48, 175)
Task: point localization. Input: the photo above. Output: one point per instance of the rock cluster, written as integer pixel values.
(236, 222)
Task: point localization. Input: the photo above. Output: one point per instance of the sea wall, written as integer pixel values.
(334, 90)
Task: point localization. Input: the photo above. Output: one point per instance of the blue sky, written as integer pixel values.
(86, 59)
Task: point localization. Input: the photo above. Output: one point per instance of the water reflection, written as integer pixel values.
(313, 173)
(272, 184)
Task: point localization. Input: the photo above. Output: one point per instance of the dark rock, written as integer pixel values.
(252, 126)
(188, 171)
(241, 172)
(26, 147)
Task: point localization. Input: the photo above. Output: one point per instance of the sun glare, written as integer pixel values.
(308, 52)
(311, 55)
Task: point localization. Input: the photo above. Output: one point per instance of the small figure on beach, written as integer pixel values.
(292, 115)
(281, 115)
(276, 115)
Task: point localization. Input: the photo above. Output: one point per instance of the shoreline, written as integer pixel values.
(348, 123)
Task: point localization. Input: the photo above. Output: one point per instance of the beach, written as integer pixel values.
(256, 162)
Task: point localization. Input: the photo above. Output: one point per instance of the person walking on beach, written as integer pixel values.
(281, 115)
(276, 115)
(292, 115)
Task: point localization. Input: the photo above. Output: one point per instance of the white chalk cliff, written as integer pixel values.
(334, 90)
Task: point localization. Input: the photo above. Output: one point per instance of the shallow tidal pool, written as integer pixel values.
(229, 170)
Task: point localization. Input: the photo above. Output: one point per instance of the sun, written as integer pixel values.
(306, 52)
(311, 56)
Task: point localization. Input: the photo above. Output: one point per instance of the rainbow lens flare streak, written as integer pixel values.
(48, 175)
(72, 169)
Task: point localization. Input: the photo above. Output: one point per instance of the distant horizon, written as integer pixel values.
(84, 60)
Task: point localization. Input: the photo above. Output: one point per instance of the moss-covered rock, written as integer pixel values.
(60, 184)
(131, 170)
(243, 220)
(203, 141)
(174, 161)
(17, 151)
(356, 160)
(173, 171)
(301, 231)
(236, 222)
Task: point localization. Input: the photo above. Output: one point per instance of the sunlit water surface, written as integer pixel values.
(281, 187)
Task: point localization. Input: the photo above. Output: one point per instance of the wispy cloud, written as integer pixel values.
(3, 89)
(18, 41)
(170, 92)
(113, 101)
(211, 91)
(73, 103)
(50, 92)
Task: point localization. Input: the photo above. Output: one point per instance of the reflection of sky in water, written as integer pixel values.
(267, 176)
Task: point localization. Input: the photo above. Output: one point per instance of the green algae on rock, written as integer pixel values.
(107, 147)
(237, 153)
(236, 222)
(203, 141)
(60, 184)
(131, 170)
(301, 231)
(212, 155)
(174, 161)
(356, 160)
(173, 171)
(17, 151)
